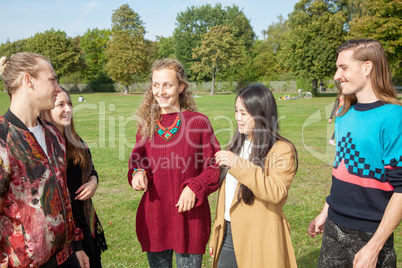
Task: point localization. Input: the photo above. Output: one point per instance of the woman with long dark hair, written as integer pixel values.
(82, 178)
(258, 167)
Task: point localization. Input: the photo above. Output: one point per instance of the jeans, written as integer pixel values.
(163, 259)
(340, 245)
(227, 257)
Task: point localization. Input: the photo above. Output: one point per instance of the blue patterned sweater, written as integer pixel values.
(368, 165)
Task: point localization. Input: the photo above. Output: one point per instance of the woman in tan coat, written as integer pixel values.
(250, 228)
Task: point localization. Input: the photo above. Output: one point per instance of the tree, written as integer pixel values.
(218, 50)
(381, 20)
(126, 53)
(193, 23)
(8, 48)
(94, 45)
(240, 26)
(316, 30)
(58, 48)
(267, 50)
(165, 47)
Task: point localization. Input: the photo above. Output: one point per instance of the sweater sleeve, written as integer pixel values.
(207, 181)
(272, 185)
(93, 171)
(392, 158)
(79, 236)
(138, 158)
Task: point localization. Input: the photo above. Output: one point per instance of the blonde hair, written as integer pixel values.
(380, 75)
(149, 110)
(12, 69)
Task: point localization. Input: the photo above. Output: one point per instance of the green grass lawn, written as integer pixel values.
(105, 122)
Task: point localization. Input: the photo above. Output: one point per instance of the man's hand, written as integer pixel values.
(367, 257)
(317, 225)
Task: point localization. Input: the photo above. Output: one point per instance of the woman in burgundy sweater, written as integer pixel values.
(173, 163)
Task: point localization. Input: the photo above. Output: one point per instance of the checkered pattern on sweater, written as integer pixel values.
(346, 150)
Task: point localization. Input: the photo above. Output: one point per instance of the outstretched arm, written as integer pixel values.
(368, 255)
(196, 189)
(270, 185)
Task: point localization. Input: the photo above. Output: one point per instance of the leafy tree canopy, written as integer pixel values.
(10, 48)
(165, 47)
(193, 23)
(126, 53)
(218, 50)
(316, 30)
(381, 20)
(94, 45)
(265, 62)
(58, 48)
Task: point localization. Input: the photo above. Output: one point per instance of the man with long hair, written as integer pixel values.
(364, 205)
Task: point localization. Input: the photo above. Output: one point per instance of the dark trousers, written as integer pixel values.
(340, 245)
(163, 259)
(71, 262)
(227, 257)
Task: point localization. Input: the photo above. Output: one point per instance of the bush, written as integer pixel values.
(304, 84)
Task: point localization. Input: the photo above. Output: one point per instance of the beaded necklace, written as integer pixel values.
(167, 133)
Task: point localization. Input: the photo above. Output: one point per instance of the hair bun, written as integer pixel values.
(3, 63)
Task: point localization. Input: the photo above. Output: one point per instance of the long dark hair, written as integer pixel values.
(260, 104)
(75, 149)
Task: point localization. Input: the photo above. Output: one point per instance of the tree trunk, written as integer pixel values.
(125, 89)
(315, 84)
(213, 81)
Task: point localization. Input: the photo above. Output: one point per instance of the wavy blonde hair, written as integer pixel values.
(380, 75)
(149, 110)
(12, 69)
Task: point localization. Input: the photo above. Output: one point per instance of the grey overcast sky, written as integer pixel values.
(21, 19)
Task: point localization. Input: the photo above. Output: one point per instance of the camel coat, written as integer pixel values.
(261, 233)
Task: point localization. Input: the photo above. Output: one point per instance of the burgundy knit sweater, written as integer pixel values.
(186, 160)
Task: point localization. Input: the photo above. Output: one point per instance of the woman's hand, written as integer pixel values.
(211, 251)
(140, 181)
(225, 158)
(87, 190)
(186, 200)
(82, 259)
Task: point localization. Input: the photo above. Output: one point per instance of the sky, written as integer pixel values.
(20, 19)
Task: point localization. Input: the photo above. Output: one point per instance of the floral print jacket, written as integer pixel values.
(36, 221)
